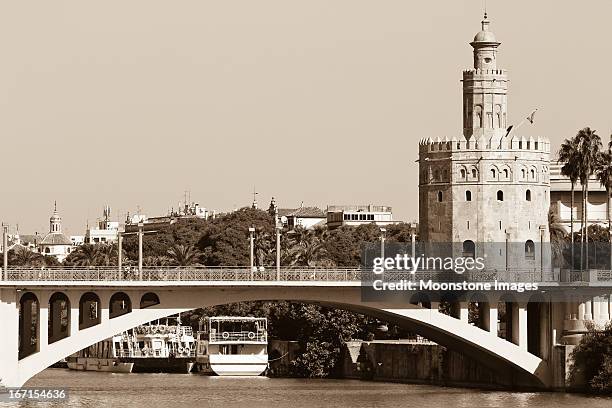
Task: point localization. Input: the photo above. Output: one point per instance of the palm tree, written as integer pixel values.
(85, 255)
(183, 255)
(557, 234)
(604, 175)
(589, 146)
(568, 154)
(24, 257)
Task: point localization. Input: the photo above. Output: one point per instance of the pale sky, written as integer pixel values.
(129, 103)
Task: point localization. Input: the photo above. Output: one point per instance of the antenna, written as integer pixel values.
(485, 9)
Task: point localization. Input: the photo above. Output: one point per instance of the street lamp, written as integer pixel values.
(119, 251)
(5, 251)
(140, 227)
(278, 251)
(382, 242)
(252, 239)
(413, 227)
(542, 229)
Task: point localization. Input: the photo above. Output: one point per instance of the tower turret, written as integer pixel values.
(484, 89)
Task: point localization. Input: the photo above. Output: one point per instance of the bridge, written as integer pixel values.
(50, 313)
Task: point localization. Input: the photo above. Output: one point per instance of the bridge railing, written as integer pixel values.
(289, 274)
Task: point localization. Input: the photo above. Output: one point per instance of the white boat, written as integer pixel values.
(233, 346)
(145, 348)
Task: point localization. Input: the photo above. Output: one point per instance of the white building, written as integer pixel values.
(561, 200)
(105, 232)
(354, 215)
(55, 243)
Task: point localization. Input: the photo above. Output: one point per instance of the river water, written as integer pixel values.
(91, 389)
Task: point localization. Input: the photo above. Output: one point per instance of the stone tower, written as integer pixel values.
(487, 187)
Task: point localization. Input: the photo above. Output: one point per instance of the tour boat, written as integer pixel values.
(233, 346)
(146, 348)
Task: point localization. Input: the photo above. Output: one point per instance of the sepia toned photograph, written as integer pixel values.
(281, 203)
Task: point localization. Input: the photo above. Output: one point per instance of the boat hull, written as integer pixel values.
(238, 369)
(160, 364)
(238, 364)
(110, 365)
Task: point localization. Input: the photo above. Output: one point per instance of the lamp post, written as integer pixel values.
(140, 227)
(4, 251)
(382, 242)
(252, 240)
(413, 227)
(542, 229)
(119, 251)
(278, 250)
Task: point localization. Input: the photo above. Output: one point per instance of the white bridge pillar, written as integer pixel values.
(9, 343)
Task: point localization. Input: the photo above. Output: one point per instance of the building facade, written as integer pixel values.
(488, 185)
(354, 215)
(561, 200)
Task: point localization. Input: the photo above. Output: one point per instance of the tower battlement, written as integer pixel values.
(512, 142)
(478, 71)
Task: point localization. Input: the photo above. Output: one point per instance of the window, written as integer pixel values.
(462, 172)
(523, 174)
(506, 173)
(468, 195)
(528, 195)
(473, 173)
(445, 175)
(500, 195)
(439, 196)
(436, 175)
(493, 173)
(529, 250)
(47, 250)
(532, 174)
(469, 249)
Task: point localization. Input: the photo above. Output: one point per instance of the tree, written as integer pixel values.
(557, 235)
(569, 156)
(604, 175)
(183, 255)
(22, 256)
(592, 360)
(589, 147)
(84, 255)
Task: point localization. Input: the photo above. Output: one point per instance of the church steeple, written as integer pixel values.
(55, 222)
(484, 89)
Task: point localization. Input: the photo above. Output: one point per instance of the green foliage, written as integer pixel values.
(93, 255)
(592, 360)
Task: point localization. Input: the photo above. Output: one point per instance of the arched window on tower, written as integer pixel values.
(462, 173)
(528, 195)
(436, 175)
(469, 249)
(474, 173)
(529, 250)
(506, 173)
(468, 195)
(493, 173)
(439, 196)
(477, 116)
(500, 195)
(532, 173)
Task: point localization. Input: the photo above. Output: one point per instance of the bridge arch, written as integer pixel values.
(456, 334)
(149, 299)
(29, 324)
(89, 310)
(59, 317)
(119, 304)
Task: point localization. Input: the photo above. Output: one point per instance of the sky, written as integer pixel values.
(130, 103)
